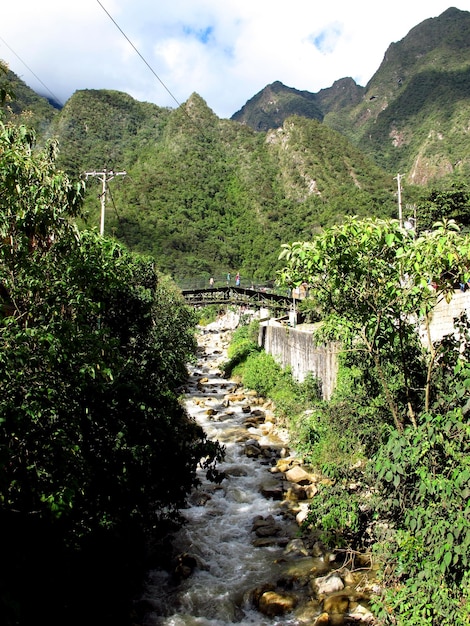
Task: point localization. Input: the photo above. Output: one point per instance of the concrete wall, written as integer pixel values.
(444, 314)
(294, 347)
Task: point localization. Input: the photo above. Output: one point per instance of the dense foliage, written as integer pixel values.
(205, 196)
(261, 372)
(394, 438)
(97, 454)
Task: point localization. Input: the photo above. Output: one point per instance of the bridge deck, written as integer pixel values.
(235, 295)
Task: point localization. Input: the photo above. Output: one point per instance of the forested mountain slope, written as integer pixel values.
(205, 196)
(412, 116)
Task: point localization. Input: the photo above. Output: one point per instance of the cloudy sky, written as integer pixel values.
(162, 51)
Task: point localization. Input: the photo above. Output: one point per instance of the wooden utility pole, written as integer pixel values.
(105, 176)
(400, 212)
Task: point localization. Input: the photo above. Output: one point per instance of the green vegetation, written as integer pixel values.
(261, 372)
(204, 196)
(95, 339)
(97, 454)
(393, 439)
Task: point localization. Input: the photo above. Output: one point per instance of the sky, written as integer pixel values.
(162, 51)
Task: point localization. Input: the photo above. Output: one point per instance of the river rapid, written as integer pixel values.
(224, 561)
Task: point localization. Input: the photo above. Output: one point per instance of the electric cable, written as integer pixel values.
(137, 51)
(56, 99)
(193, 121)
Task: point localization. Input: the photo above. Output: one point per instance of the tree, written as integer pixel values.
(373, 282)
(94, 443)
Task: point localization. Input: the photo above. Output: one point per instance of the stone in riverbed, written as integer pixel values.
(272, 603)
(298, 475)
(273, 491)
(328, 584)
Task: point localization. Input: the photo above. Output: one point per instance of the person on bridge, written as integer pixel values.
(211, 282)
(228, 278)
(237, 279)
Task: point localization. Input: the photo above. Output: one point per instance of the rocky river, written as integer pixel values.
(241, 558)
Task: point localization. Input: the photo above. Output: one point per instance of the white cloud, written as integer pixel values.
(225, 51)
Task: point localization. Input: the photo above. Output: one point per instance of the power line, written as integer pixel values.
(35, 75)
(140, 55)
(193, 121)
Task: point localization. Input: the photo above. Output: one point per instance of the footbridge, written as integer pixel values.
(237, 296)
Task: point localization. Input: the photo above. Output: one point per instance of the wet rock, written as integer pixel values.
(294, 492)
(336, 604)
(236, 471)
(266, 542)
(252, 449)
(199, 498)
(185, 564)
(307, 612)
(298, 475)
(274, 491)
(363, 615)
(253, 420)
(235, 398)
(296, 547)
(265, 526)
(272, 603)
(328, 584)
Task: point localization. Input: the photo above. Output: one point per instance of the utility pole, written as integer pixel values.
(105, 176)
(400, 212)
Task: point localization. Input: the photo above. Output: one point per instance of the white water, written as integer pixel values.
(218, 533)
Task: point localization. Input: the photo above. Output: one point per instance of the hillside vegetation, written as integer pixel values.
(411, 117)
(204, 196)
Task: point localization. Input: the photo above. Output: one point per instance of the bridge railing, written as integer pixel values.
(236, 295)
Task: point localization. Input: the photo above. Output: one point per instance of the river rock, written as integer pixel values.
(325, 585)
(298, 475)
(272, 603)
(296, 547)
(302, 513)
(265, 526)
(272, 490)
(363, 615)
(185, 564)
(252, 449)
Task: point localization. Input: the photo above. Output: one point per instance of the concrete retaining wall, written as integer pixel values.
(444, 314)
(294, 347)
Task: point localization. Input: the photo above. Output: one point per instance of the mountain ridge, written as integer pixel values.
(204, 195)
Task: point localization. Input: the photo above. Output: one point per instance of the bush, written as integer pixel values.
(244, 343)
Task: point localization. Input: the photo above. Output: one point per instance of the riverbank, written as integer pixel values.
(242, 556)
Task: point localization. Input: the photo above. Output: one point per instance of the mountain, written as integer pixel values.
(275, 103)
(23, 105)
(205, 196)
(412, 116)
